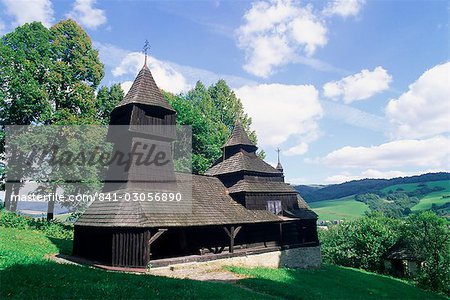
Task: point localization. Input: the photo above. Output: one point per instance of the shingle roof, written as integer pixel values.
(145, 91)
(242, 161)
(401, 251)
(211, 205)
(302, 203)
(239, 137)
(303, 211)
(261, 186)
(279, 167)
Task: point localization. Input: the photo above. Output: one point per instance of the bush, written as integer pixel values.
(12, 220)
(428, 236)
(50, 228)
(364, 242)
(360, 243)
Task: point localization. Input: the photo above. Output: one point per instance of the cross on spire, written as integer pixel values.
(145, 50)
(278, 154)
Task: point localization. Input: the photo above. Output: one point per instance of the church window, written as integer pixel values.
(274, 207)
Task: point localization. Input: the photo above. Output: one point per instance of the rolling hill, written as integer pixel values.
(313, 193)
(423, 192)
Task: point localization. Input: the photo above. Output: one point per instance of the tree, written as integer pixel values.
(25, 67)
(26, 58)
(77, 72)
(360, 243)
(428, 236)
(107, 99)
(48, 76)
(212, 113)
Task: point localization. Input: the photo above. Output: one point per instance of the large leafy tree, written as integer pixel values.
(49, 76)
(26, 58)
(26, 64)
(107, 99)
(77, 72)
(428, 237)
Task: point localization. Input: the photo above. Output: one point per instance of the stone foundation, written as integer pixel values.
(303, 257)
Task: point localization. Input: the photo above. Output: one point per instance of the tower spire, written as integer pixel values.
(278, 154)
(279, 166)
(145, 50)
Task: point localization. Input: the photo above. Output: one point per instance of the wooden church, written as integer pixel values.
(241, 206)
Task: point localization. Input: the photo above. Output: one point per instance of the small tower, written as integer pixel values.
(238, 141)
(279, 166)
(250, 180)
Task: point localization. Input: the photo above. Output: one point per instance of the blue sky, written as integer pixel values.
(347, 89)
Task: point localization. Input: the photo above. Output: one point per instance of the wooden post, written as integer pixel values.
(153, 239)
(232, 235)
(281, 234)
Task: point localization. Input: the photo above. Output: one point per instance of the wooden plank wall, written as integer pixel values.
(130, 248)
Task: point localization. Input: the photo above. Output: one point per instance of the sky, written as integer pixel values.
(347, 89)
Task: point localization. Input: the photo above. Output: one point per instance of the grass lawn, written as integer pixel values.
(339, 209)
(26, 274)
(329, 282)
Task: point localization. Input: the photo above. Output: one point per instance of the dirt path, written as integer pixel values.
(200, 272)
(193, 271)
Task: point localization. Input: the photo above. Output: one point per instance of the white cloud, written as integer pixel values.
(343, 8)
(110, 55)
(126, 86)
(424, 110)
(275, 32)
(84, 12)
(193, 75)
(165, 76)
(429, 153)
(299, 149)
(25, 11)
(125, 69)
(358, 86)
(297, 180)
(370, 173)
(282, 111)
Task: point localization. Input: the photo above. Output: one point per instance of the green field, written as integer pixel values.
(339, 209)
(434, 197)
(428, 200)
(348, 208)
(409, 187)
(25, 274)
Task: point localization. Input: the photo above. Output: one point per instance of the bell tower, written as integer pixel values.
(143, 122)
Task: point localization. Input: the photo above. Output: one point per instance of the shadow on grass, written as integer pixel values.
(64, 245)
(47, 279)
(329, 282)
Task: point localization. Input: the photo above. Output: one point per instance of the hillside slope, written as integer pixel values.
(336, 191)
